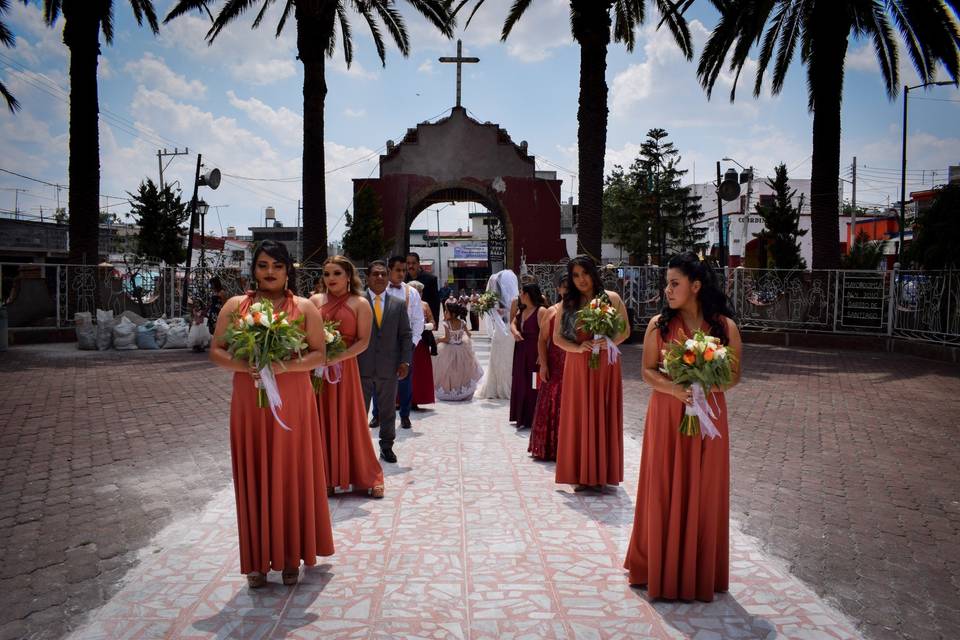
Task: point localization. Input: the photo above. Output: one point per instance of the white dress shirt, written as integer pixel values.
(407, 294)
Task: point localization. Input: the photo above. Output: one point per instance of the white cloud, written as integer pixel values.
(426, 67)
(354, 113)
(285, 124)
(152, 72)
(261, 72)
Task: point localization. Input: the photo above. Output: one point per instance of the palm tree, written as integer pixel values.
(318, 22)
(84, 19)
(822, 29)
(7, 39)
(590, 23)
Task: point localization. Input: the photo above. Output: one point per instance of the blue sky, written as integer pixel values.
(239, 102)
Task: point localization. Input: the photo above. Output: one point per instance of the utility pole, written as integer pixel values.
(299, 235)
(193, 225)
(853, 208)
(720, 247)
(163, 154)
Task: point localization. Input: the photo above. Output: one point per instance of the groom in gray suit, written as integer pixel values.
(387, 358)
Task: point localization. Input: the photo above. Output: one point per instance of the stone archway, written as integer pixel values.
(458, 158)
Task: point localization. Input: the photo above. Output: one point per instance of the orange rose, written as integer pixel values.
(708, 354)
(256, 317)
(689, 357)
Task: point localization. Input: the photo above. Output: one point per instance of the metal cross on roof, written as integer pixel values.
(459, 60)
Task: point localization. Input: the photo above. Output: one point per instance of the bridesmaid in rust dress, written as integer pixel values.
(350, 459)
(278, 475)
(546, 418)
(590, 446)
(679, 547)
(525, 328)
(422, 360)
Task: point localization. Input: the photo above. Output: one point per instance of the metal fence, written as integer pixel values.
(917, 305)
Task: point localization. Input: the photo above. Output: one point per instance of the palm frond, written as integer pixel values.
(106, 23)
(672, 15)
(51, 11)
(437, 13)
(12, 103)
(364, 9)
(792, 30)
(262, 12)
(393, 21)
(715, 51)
(186, 6)
(885, 46)
(516, 12)
(144, 8)
(766, 49)
(915, 48)
(463, 3)
(345, 35)
(283, 17)
(230, 12)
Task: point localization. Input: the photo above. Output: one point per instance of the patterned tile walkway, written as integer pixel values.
(474, 540)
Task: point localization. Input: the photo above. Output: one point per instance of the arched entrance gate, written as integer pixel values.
(458, 159)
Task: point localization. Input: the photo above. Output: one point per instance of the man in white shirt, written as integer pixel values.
(397, 288)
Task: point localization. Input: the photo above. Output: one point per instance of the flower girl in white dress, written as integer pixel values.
(456, 371)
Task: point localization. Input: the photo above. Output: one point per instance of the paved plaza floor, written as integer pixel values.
(117, 520)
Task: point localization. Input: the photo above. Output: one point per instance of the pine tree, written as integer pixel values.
(646, 210)
(161, 217)
(363, 240)
(781, 220)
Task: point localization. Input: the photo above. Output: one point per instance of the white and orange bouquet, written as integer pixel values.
(335, 345)
(486, 303)
(703, 363)
(601, 319)
(262, 337)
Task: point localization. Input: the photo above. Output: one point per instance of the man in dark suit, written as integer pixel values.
(387, 358)
(431, 295)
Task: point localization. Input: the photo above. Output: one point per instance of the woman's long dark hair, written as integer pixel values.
(573, 299)
(532, 289)
(713, 301)
(278, 252)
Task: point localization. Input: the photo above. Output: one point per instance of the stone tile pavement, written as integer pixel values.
(842, 465)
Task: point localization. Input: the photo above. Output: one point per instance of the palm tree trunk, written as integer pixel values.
(826, 83)
(591, 29)
(81, 34)
(311, 52)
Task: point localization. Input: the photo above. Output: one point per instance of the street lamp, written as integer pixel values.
(202, 208)
(903, 160)
(746, 175)
(209, 179)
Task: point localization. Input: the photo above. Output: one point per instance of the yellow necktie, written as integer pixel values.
(378, 310)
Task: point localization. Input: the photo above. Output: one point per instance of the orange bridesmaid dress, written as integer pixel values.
(282, 513)
(590, 439)
(680, 543)
(348, 448)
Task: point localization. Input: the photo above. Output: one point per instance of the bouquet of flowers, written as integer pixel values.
(702, 363)
(486, 303)
(335, 345)
(262, 337)
(601, 319)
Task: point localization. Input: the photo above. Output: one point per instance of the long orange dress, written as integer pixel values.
(590, 442)
(679, 547)
(348, 449)
(282, 511)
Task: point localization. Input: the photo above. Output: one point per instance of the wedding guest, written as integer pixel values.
(590, 446)
(278, 475)
(422, 360)
(457, 372)
(350, 460)
(430, 293)
(525, 328)
(679, 547)
(546, 417)
(387, 357)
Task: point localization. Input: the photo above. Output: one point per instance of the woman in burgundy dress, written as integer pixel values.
(546, 418)
(422, 361)
(525, 328)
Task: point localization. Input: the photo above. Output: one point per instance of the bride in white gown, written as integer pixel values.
(498, 379)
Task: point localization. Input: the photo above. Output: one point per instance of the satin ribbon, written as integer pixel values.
(701, 409)
(613, 352)
(324, 373)
(269, 384)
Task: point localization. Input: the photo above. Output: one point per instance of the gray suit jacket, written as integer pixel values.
(390, 343)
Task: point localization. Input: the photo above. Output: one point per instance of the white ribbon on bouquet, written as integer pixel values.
(332, 374)
(701, 409)
(269, 383)
(613, 352)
